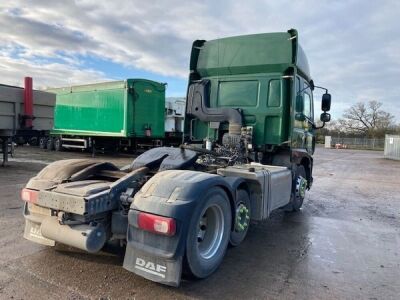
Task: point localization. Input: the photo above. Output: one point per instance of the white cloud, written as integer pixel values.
(45, 74)
(352, 45)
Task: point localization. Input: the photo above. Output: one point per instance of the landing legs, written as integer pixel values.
(4, 149)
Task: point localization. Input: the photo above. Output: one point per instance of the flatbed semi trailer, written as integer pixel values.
(26, 115)
(247, 151)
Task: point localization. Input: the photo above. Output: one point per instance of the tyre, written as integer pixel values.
(43, 142)
(50, 144)
(20, 141)
(299, 188)
(33, 141)
(57, 144)
(208, 234)
(241, 220)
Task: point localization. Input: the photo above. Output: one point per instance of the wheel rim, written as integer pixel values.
(301, 186)
(210, 231)
(242, 218)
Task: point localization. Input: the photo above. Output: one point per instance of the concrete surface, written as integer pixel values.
(345, 243)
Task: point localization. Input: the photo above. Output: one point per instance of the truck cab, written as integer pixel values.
(265, 78)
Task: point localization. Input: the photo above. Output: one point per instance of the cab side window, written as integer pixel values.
(307, 111)
(303, 89)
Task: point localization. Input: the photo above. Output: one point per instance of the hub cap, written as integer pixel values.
(242, 218)
(210, 231)
(301, 186)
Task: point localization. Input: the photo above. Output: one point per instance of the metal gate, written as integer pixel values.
(392, 147)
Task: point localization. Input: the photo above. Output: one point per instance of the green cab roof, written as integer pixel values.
(249, 54)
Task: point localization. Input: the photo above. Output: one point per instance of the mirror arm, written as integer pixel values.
(319, 127)
(312, 123)
(322, 88)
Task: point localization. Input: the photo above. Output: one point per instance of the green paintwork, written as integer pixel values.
(256, 74)
(117, 109)
(251, 54)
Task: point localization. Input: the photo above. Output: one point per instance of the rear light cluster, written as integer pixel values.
(156, 224)
(28, 195)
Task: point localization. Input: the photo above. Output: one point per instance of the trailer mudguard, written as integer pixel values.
(174, 194)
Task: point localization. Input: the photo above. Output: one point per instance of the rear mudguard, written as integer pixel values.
(175, 194)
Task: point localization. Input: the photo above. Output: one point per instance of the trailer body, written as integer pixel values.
(117, 108)
(247, 151)
(26, 115)
(117, 114)
(12, 109)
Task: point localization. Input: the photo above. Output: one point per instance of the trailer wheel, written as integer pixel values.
(20, 141)
(208, 234)
(241, 220)
(50, 144)
(57, 144)
(42, 142)
(33, 141)
(298, 190)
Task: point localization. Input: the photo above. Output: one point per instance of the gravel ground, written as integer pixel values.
(345, 243)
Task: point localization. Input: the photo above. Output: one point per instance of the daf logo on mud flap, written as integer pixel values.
(35, 232)
(150, 267)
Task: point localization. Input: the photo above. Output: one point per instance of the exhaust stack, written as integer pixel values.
(28, 102)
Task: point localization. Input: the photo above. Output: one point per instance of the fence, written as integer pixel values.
(392, 147)
(358, 143)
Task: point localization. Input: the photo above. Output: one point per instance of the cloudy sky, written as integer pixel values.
(353, 46)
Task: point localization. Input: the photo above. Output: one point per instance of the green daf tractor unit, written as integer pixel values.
(247, 151)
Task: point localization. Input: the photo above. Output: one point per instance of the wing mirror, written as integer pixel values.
(326, 102)
(300, 117)
(299, 104)
(325, 117)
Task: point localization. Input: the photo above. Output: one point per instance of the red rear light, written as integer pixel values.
(156, 224)
(29, 195)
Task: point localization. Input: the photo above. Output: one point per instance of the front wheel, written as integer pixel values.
(208, 233)
(298, 190)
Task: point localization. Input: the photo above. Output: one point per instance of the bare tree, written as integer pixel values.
(367, 119)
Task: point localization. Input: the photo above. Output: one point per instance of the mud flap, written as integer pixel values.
(171, 194)
(33, 233)
(158, 269)
(33, 222)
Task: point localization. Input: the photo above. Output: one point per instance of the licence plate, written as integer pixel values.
(36, 209)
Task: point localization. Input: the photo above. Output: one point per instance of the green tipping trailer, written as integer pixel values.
(117, 111)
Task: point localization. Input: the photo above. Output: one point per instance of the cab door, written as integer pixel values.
(303, 132)
(309, 119)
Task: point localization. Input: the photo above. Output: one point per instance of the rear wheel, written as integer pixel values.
(43, 142)
(33, 141)
(208, 234)
(241, 220)
(57, 144)
(50, 144)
